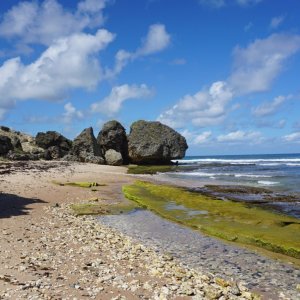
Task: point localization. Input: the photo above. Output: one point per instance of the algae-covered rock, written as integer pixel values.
(5, 145)
(113, 136)
(85, 146)
(154, 143)
(53, 138)
(113, 158)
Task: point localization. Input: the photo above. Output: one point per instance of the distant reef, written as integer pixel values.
(147, 143)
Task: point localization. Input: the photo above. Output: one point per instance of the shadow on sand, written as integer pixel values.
(13, 205)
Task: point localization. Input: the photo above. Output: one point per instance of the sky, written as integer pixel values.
(223, 73)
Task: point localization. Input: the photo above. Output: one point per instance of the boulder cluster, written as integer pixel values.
(147, 143)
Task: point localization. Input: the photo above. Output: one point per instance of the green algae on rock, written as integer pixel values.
(232, 221)
(102, 209)
(79, 184)
(150, 169)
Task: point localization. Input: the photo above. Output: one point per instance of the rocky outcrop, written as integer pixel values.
(113, 157)
(86, 148)
(154, 143)
(5, 145)
(51, 139)
(113, 136)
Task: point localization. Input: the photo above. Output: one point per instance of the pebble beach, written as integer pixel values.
(49, 253)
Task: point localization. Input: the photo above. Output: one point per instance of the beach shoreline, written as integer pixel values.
(49, 253)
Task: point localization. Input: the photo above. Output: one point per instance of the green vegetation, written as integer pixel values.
(232, 221)
(80, 184)
(149, 169)
(102, 209)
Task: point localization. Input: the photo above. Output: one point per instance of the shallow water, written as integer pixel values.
(267, 276)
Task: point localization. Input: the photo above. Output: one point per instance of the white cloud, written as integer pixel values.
(194, 138)
(256, 66)
(276, 21)
(293, 137)
(67, 64)
(206, 107)
(223, 3)
(269, 108)
(247, 2)
(157, 40)
(31, 22)
(202, 138)
(239, 136)
(113, 102)
(71, 113)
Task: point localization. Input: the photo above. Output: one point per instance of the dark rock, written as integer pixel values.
(53, 138)
(53, 152)
(113, 157)
(23, 156)
(85, 146)
(113, 136)
(4, 128)
(5, 144)
(16, 143)
(94, 159)
(154, 143)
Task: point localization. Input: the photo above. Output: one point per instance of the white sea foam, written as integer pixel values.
(265, 182)
(239, 161)
(205, 174)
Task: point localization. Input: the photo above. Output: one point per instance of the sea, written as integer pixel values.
(279, 172)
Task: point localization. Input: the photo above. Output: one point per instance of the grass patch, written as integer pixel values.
(80, 209)
(232, 221)
(80, 184)
(145, 169)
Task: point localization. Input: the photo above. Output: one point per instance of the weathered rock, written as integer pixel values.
(113, 157)
(16, 143)
(154, 143)
(22, 156)
(85, 146)
(4, 128)
(53, 152)
(113, 136)
(5, 144)
(53, 138)
(95, 159)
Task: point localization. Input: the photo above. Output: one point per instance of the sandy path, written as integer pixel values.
(47, 253)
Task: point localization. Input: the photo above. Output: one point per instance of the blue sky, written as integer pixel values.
(224, 73)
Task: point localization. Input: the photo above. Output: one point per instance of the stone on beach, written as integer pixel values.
(113, 136)
(86, 148)
(154, 143)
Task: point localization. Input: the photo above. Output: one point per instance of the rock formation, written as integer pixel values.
(85, 147)
(113, 136)
(53, 138)
(154, 143)
(113, 157)
(5, 145)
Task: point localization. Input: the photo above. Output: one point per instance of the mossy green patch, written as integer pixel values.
(80, 184)
(232, 221)
(102, 209)
(145, 169)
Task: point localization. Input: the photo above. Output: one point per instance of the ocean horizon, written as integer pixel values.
(280, 172)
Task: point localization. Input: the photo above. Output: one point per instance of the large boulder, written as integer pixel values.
(5, 144)
(53, 138)
(113, 158)
(86, 148)
(113, 136)
(154, 143)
